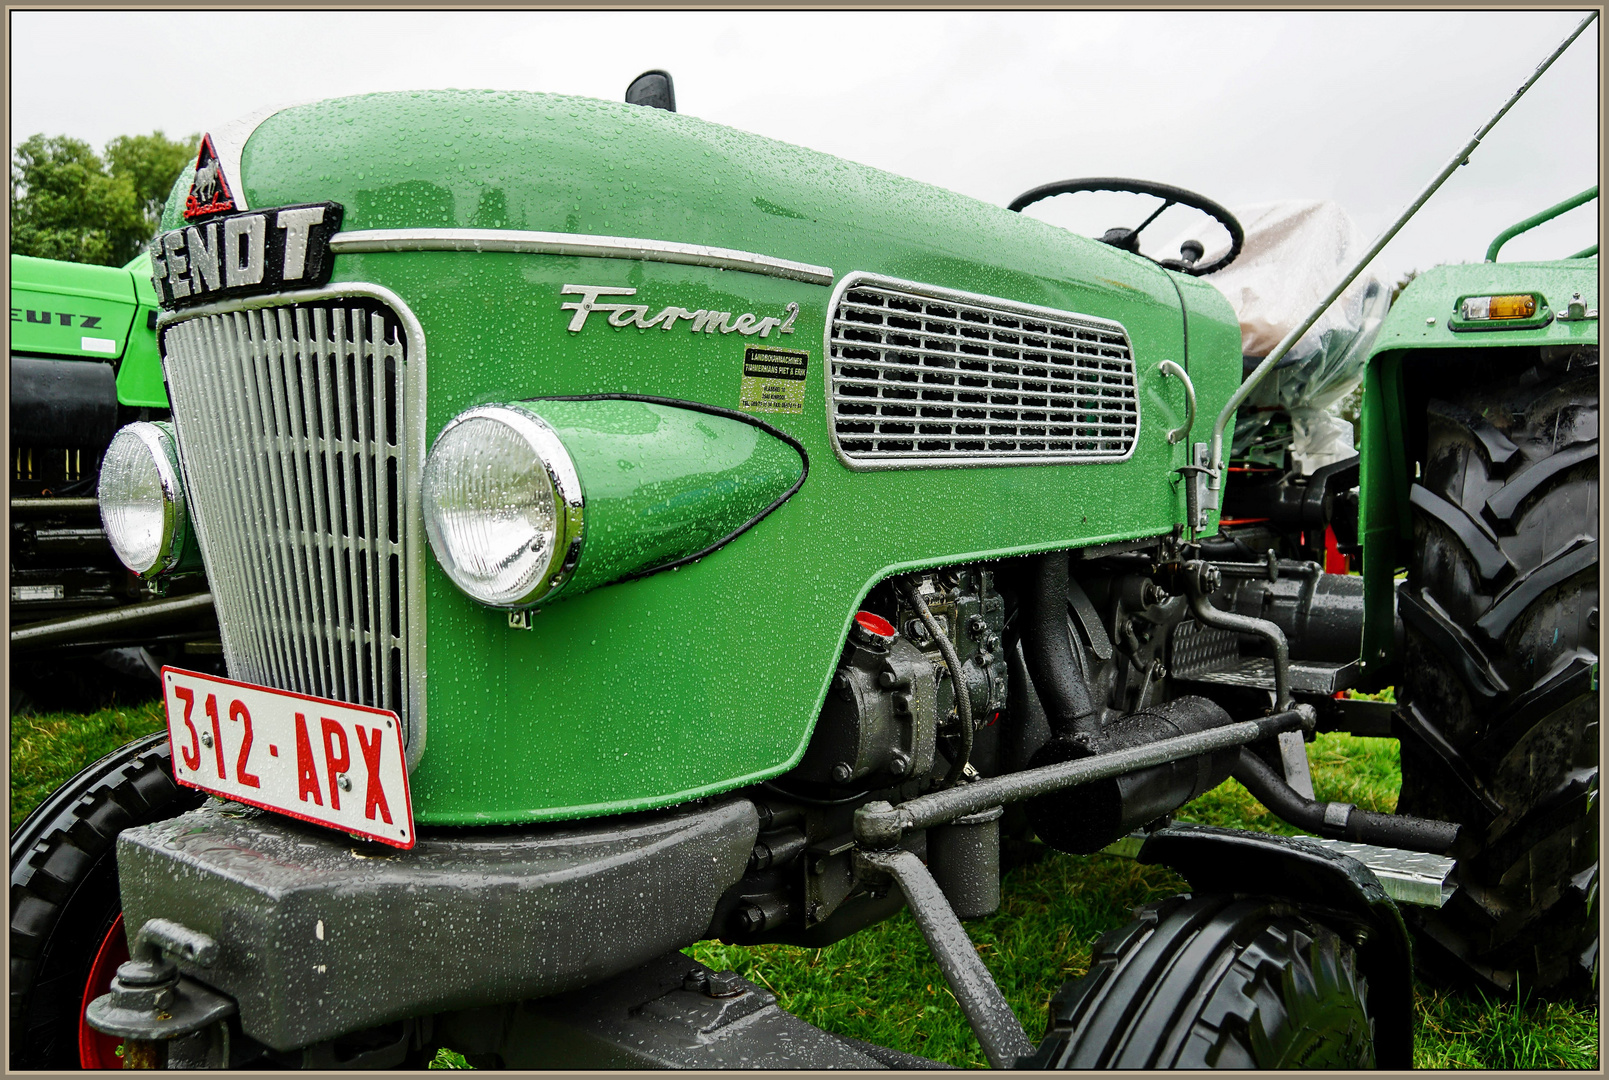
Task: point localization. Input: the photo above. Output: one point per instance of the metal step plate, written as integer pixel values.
(1307, 676)
(1408, 877)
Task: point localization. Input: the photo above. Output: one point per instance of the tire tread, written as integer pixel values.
(1213, 982)
(1498, 675)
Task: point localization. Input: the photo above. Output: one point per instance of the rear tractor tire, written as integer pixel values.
(1214, 982)
(1499, 708)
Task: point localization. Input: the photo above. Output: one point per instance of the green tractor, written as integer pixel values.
(84, 363)
(626, 531)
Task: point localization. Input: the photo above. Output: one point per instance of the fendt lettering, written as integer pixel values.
(245, 253)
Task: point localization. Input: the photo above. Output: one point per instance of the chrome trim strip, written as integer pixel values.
(417, 444)
(995, 303)
(550, 243)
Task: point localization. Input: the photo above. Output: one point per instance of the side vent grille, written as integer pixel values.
(921, 376)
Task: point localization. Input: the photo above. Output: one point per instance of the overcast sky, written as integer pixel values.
(1243, 107)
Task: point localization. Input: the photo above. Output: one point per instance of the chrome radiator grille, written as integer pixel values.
(291, 433)
(923, 376)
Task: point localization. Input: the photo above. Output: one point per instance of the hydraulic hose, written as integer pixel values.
(958, 682)
(1047, 651)
(1338, 820)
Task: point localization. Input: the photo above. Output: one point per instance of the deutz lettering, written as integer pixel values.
(257, 251)
(707, 321)
(65, 318)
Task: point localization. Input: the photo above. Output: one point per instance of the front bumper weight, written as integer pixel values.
(319, 935)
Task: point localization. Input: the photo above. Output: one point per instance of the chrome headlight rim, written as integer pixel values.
(161, 445)
(569, 504)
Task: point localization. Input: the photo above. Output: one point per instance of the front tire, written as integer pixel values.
(1498, 718)
(1214, 982)
(65, 907)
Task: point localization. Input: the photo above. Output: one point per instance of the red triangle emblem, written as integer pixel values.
(209, 191)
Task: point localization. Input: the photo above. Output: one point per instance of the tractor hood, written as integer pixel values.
(483, 160)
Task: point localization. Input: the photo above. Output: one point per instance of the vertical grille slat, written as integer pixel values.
(205, 407)
(381, 509)
(327, 351)
(363, 348)
(269, 358)
(210, 417)
(291, 433)
(253, 515)
(267, 496)
(289, 402)
(923, 376)
(350, 512)
(312, 461)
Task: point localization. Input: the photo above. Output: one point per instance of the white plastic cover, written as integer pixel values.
(1295, 251)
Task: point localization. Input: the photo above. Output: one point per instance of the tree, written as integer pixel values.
(66, 203)
(1402, 283)
(152, 163)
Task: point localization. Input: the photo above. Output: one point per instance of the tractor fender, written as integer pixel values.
(1333, 888)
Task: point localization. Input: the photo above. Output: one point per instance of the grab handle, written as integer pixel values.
(1168, 367)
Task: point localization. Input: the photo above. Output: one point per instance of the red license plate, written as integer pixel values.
(319, 760)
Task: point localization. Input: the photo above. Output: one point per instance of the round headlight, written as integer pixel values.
(142, 501)
(502, 506)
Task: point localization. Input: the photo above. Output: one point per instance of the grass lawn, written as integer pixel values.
(883, 986)
(48, 748)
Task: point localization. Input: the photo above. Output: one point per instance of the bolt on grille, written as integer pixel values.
(290, 431)
(923, 376)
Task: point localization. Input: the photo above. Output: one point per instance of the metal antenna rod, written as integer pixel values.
(1215, 466)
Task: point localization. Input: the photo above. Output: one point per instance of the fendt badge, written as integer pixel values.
(223, 252)
(255, 252)
(708, 321)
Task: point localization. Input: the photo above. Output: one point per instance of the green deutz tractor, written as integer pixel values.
(84, 363)
(626, 531)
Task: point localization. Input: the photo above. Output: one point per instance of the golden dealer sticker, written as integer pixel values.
(773, 380)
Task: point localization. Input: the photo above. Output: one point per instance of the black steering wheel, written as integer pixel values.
(1129, 239)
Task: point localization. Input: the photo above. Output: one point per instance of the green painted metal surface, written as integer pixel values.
(139, 377)
(1432, 295)
(79, 311)
(662, 483)
(1208, 335)
(1418, 325)
(1384, 522)
(706, 677)
(70, 309)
